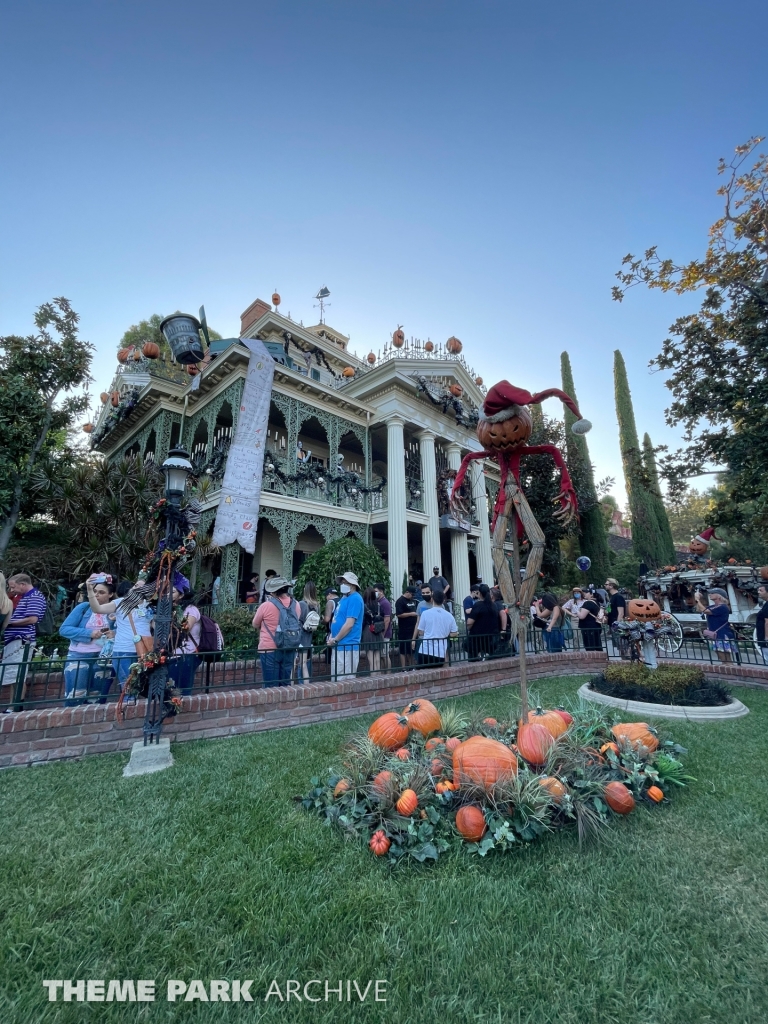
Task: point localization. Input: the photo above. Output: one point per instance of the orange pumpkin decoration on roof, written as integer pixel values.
(275, 299)
(371, 357)
(104, 396)
(456, 390)
(398, 338)
(453, 346)
(348, 371)
(88, 428)
(478, 381)
(150, 350)
(429, 346)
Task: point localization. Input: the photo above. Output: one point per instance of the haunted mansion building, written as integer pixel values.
(355, 447)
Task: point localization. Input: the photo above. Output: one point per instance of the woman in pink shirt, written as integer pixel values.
(276, 663)
(185, 636)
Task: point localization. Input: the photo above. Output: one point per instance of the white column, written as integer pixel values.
(431, 532)
(459, 552)
(480, 498)
(397, 541)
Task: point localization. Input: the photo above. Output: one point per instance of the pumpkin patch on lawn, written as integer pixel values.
(421, 781)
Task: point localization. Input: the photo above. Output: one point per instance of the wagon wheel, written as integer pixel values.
(671, 644)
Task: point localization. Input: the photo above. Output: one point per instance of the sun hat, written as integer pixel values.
(349, 577)
(276, 583)
(719, 591)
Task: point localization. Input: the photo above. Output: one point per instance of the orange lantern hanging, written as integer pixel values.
(453, 346)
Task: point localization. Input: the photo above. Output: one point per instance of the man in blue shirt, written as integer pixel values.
(347, 628)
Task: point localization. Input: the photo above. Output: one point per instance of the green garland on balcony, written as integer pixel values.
(316, 476)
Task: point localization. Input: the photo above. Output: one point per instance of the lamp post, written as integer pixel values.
(177, 469)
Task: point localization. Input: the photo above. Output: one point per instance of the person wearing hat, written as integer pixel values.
(718, 629)
(347, 628)
(405, 610)
(276, 663)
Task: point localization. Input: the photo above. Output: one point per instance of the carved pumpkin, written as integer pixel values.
(341, 787)
(456, 390)
(381, 782)
(618, 798)
(478, 381)
(470, 823)
(554, 787)
(429, 346)
(407, 803)
(398, 338)
(423, 716)
(150, 350)
(551, 721)
(656, 794)
(403, 754)
(509, 434)
(454, 346)
(115, 399)
(698, 547)
(482, 762)
(452, 744)
(275, 298)
(371, 357)
(348, 371)
(192, 370)
(642, 609)
(635, 733)
(389, 731)
(104, 396)
(88, 428)
(379, 843)
(123, 354)
(534, 742)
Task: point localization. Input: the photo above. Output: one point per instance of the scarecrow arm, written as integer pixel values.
(569, 507)
(456, 502)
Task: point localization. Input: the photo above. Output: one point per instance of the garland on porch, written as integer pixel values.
(465, 412)
(316, 476)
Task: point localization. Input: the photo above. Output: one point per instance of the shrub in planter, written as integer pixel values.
(236, 628)
(668, 684)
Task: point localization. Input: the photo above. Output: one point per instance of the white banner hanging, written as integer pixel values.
(238, 513)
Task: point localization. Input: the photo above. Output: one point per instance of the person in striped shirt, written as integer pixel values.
(22, 627)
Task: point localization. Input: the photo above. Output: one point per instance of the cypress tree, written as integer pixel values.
(593, 539)
(646, 538)
(667, 544)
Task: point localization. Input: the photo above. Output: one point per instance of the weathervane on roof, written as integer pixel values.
(322, 295)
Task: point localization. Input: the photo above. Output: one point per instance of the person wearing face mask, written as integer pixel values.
(572, 607)
(347, 628)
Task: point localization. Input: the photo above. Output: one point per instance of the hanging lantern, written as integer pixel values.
(150, 350)
(371, 358)
(429, 346)
(115, 398)
(275, 299)
(454, 346)
(104, 396)
(398, 338)
(182, 332)
(123, 354)
(348, 371)
(478, 381)
(88, 428)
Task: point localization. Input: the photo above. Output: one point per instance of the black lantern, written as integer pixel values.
(177, 469)
(182, 332)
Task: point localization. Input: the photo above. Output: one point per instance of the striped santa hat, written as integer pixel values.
(504, 400)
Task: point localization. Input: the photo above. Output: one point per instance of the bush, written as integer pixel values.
(235, 625)
(684, 685)
(347, 554)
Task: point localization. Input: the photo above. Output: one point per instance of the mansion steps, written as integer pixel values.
(364, 448)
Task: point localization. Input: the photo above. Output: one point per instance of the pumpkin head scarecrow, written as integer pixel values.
(699, 546)
(504, 428)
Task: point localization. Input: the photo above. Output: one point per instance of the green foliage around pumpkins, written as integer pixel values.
(345, 555)
(684, 685)
(406, 803)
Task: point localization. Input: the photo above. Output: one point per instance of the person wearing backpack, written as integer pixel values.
(280, 634)
(310, 620)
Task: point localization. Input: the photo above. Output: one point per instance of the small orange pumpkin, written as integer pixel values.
(423, 716)
(618, 798)
(403, 754)
(381, 782)
(398, 338)
(348, 371)
(389, 731)
(534, 743)
(482, 761)
(656, 794)
(429, 346)
(446, 786)
(88, 428)
(478, 381)
(554, 787)
(491, 723)
(456, 390)
(565, 715)
(407, 803)
(551, 721)
(434, 743)
(635, 733)
(452, 743)
(610, 746)
(507, 435)
(470, 823)
(642, 609)
(380, 842)
(341, 787)
(371, 357)
(150, 350)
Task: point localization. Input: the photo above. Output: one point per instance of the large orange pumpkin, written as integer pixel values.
(554, 787)
(635, 733)
(348, 371)
(123, 354)
(642, 609)
(423, 716)
(429, 346)
(150, 350)
(381, 782)
(341, 787)
(389, 731)
(509, 434)
(566, 716)
(482, 762)
(618, 798)
(456, 390)
(534, 742)
(398, 338)
(470, 823)
(551, 721)
(407, 803)
(371, 357)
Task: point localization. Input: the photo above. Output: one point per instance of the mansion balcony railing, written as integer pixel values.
(412, 349)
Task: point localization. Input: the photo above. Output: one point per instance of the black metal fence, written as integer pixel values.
(38, 681)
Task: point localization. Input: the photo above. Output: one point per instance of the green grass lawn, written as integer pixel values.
(211, 871)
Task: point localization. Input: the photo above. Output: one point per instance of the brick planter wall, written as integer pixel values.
(47, 734)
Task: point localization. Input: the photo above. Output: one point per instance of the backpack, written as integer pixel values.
(211, 637)
(288, 635)
(47, 625)
(311, 621)
(374, 619)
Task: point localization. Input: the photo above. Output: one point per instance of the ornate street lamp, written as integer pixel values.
(177, 469)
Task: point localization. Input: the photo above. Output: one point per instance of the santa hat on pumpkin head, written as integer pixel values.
(504, 400)
(706, 536)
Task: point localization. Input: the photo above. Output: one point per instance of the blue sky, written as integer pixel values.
(476, 169)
